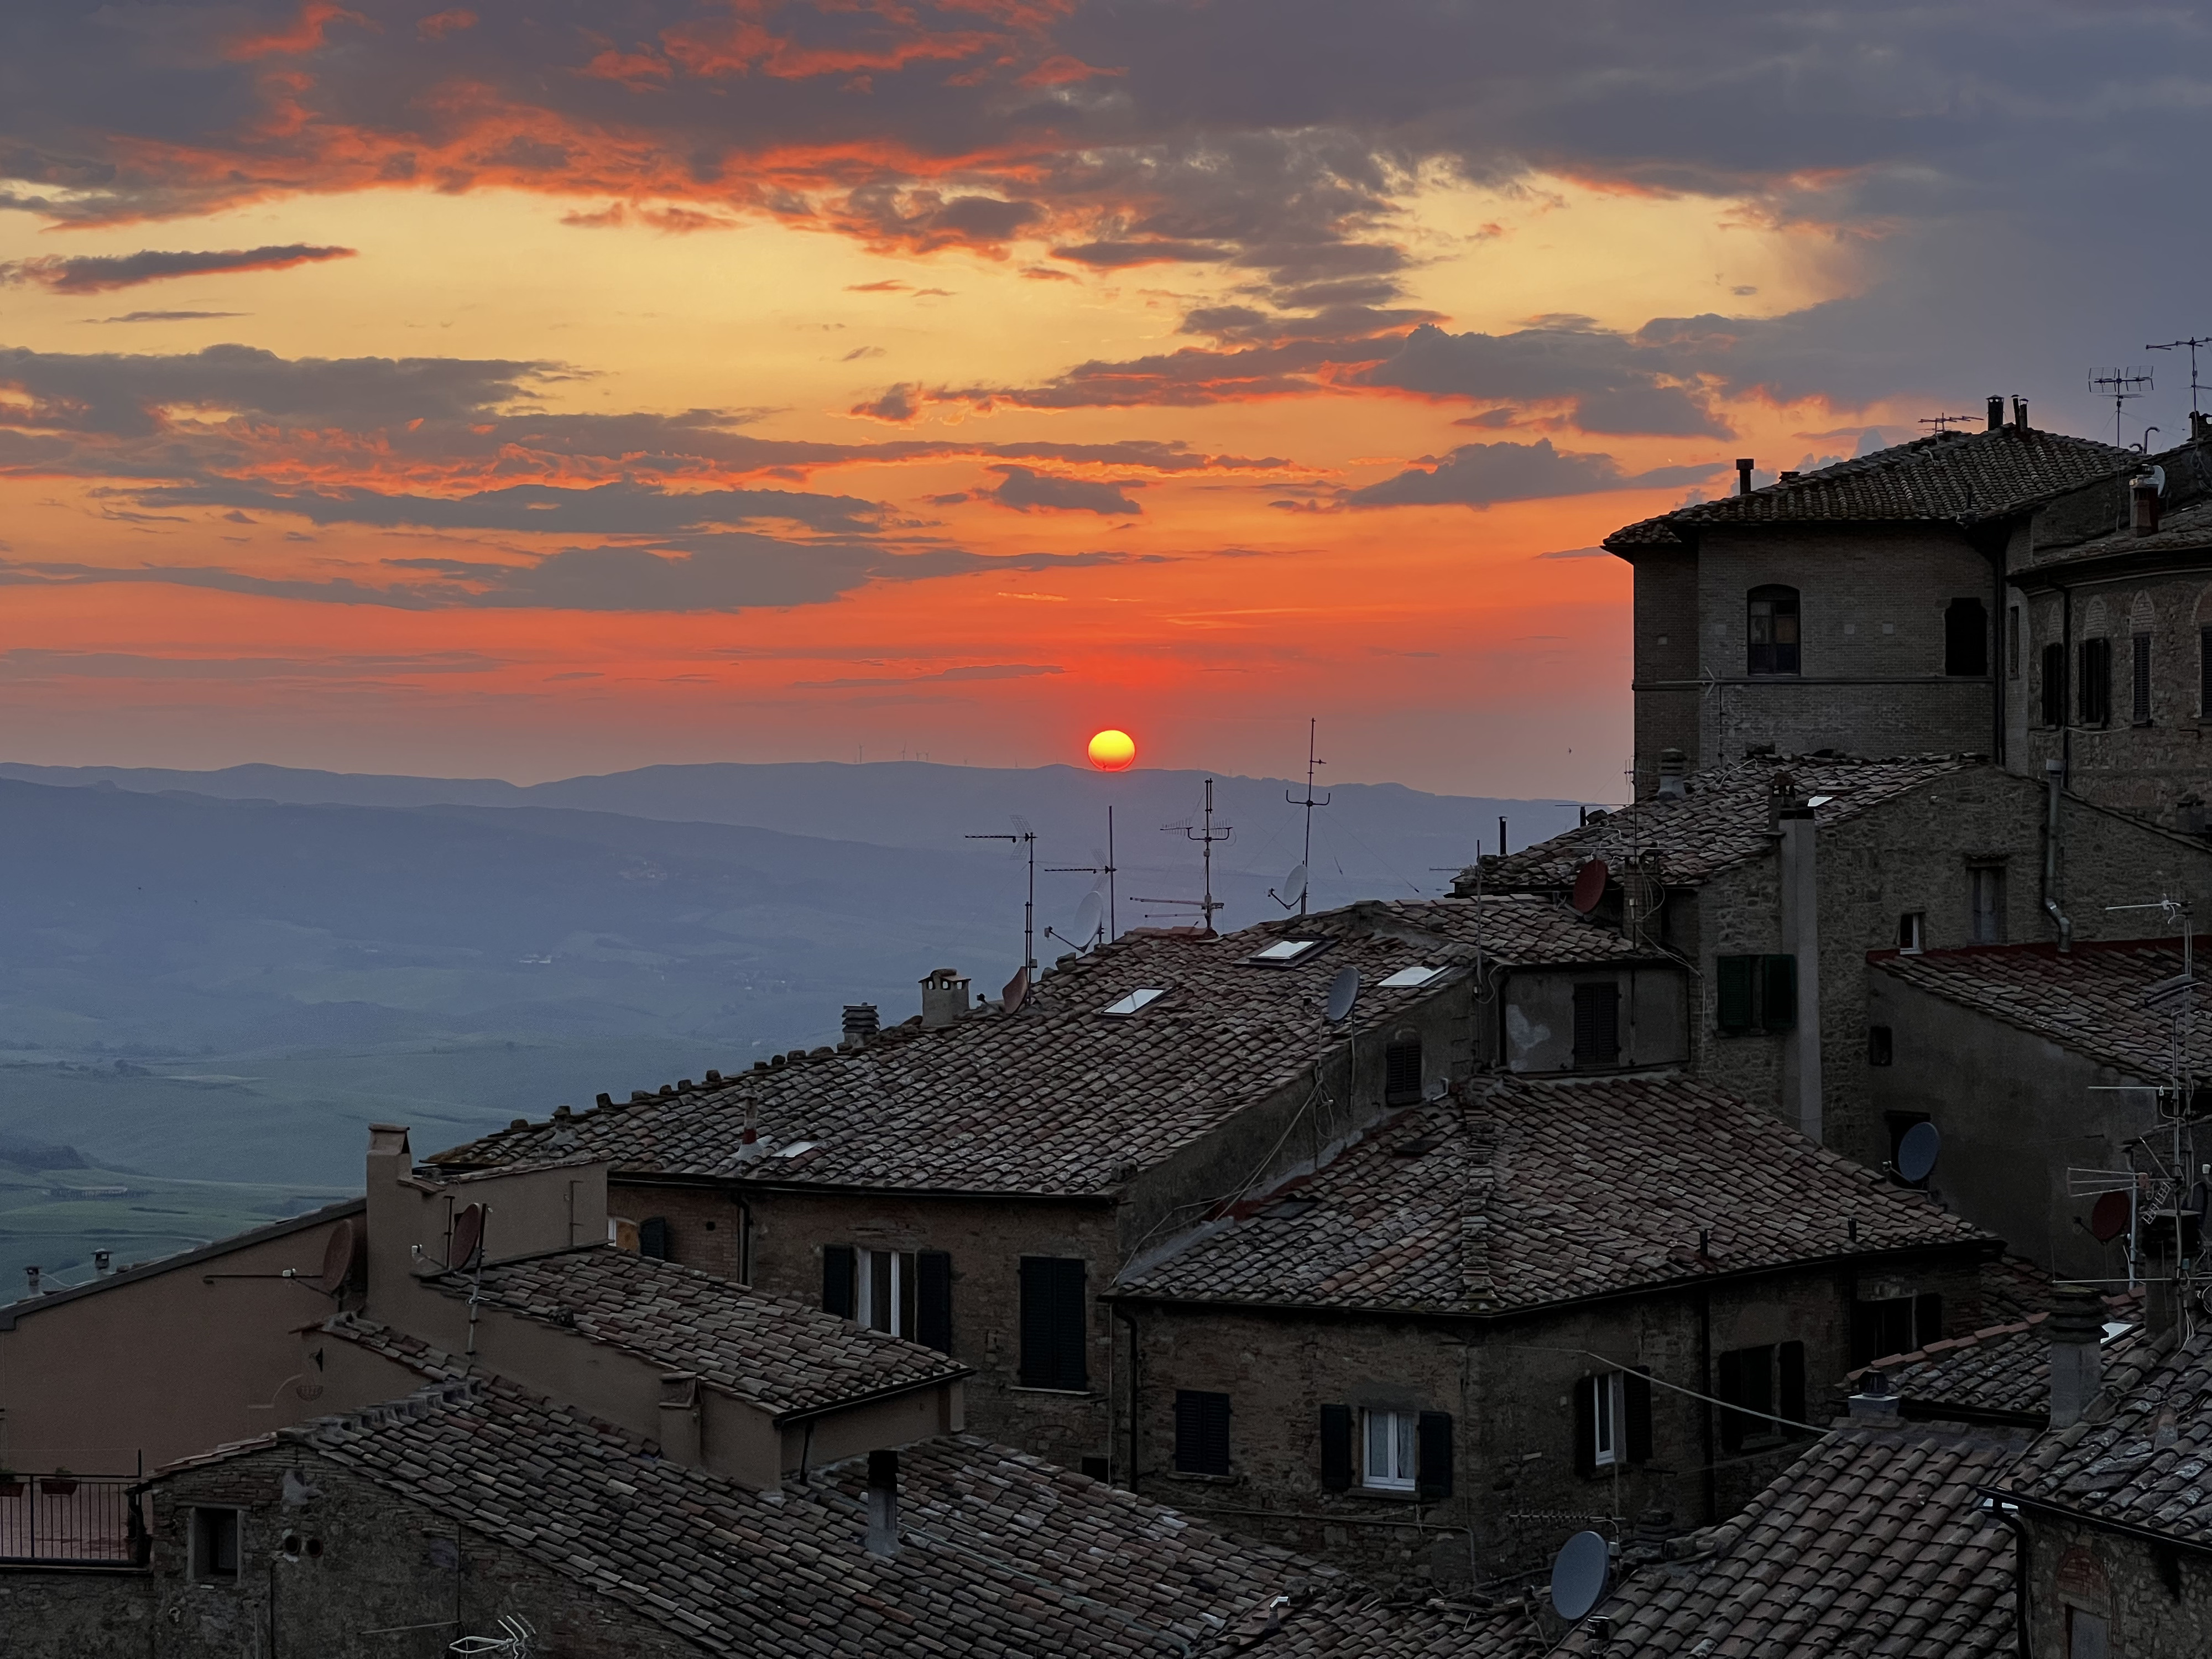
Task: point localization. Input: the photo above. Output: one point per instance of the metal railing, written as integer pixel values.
(71, 1520)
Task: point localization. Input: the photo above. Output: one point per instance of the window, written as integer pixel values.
(1772, 630)
(1912, 931)
(887, 1290)
(1387, 1452)
(1285, 952)
(1612, 1420)
(2139, 666)
(1399, 1451)
(1985, 897)
(906, 1292)
(2054, 683)
(1759, 1385)
(2093, 698)
(1597, 1024)
(1405, 978)
(2088, 1635)
(840, 1281)
(1899, 1124)
(653, 1238)
(1401, 1073)
(1201, 1432)
(1122, 1007)
(1054, 1335)
(1893, 1325)
(1965, 638)
(1881, 1047)
(2012, 643)
(1756, 993)
(215, 1546)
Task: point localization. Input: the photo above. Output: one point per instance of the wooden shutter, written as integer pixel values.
(839, 1269)
(1927, 1319)
(1635, 1407)
(1597, 1024)
(1054, 1328)
(653, 1238)
(1335, 1448)
(1201, 1432)
(2054, 682)
(1777, 992)
(1401, 1073)
(1586, 1426)
(1791, 1363)
(1866, 1334)
(1735, 975)
(1730, 1389)
(1432, 1456)
(932, 1312)
(2140, 710)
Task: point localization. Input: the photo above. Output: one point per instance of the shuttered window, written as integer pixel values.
(1965, 638)
(932, 1314)
(653, 1238)
(1770, 630)
(1201, 1432)
(2054, 682)
(1335, 1448)
(1433, 1456)
(1054, 1328)
(2139, 667)
(1754, 993)
(1759, 1385)
(1401, 1073)
(840, 1274)
(1597, 1024)
(2093, 697)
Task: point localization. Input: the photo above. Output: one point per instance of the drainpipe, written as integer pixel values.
(1800, 939)
(2054, 778)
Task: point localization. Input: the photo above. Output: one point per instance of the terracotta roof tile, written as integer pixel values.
(1544, 1192)
(2142, 1455)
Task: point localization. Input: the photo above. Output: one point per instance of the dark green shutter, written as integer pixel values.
(1432, 1456)
(1777, 992)
(1636, 1407)
(1053, 1328)
(1730, 1389)
(1736, 976)
(653, 1238)
(1792, 1366)
(1927, 1319)
(932, 1315)
(1335, 1448)
(840, 1271)
(1586, 1426)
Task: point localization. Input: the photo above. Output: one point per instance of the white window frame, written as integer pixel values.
(1406, 978)
(872, 1261)
(1285, 952)
(1606, 1397)
(1389, 1450)
(1136, 1002)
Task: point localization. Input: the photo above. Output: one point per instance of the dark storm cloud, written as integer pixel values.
(1477, 475)
(1026, 490)
(608, 509)
(101, 273)
(1616, 382)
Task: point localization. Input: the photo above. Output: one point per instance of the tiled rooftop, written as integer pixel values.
(1873, 1542)
(786, 1358)
(1998, 1370)
(1720, 823)
(1364, 1625)
(1948, 478)
(1544, 1192)
(2089, 1000)
(2139, 1455)
(1001, 1554)
(1056, 1097)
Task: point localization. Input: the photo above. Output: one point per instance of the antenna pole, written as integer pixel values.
(2196, 391)
(1305, 858)
(2120, 384)
(1026, 839)
(1113, 913)
(1206, 837)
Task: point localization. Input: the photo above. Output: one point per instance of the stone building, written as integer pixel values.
(1772, 877)
(2031, 1063)
(978, 1177)
(1495, 1316)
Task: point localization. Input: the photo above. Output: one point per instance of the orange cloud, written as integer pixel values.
(305, 35)
(438, 25)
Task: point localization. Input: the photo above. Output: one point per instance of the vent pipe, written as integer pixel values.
(1743, 466)
(1873, 1405)
(861, 1023)
(2020, 414)
(31, 1274)
(1997, 414)
(882, 1503)
(1673, 765)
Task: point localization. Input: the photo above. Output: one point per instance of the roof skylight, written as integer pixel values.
(1286, 951)
(1122, 1007)
(1405, 978)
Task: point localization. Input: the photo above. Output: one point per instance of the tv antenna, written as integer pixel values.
(1205, 838)
(2196, 391)
(1945, 423)
(1088, 927)
(1025, 837)
(2120, 384)
(1298, 877)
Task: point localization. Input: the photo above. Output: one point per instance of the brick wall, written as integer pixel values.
(2157, 1601)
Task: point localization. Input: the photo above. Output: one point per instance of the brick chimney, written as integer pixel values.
(1997, 414)
(1874, 1406)
(2143, 504)
(2077, 1327)
(944, 997)
(1674, 768)
(1743, 465)
(2020, 414)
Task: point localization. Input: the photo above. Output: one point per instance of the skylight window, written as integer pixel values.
(1122, 1007)
(1818, 800)
(1405, 978)
(1285, 952)
(796, 1147)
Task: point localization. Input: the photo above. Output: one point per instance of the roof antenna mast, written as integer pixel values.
(1301, 878)
(1027, 839)
(1206, 837)
(1107, 924)
(2196, 391)
(2120, 384)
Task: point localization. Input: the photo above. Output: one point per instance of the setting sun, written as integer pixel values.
(1113, 751)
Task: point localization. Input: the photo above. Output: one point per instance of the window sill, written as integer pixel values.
(1384, 1494)
(1064, 1394)
(1198, 1480)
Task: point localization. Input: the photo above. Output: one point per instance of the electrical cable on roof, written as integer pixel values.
(1676, 1387)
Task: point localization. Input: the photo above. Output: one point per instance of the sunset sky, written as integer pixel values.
(533, 389)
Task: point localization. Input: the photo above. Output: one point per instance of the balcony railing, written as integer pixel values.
(70, 1521)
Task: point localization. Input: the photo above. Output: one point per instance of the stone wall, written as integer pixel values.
(91, 1612)
(2156, 1600)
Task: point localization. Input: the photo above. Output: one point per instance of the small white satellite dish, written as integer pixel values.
(1294, 885)
(1089, 917)
(1917, 1150)
(1578, 1575)
(1343, 992)
(1017, 991)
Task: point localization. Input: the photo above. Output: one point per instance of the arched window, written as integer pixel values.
(1966, 638)
(1772, 630)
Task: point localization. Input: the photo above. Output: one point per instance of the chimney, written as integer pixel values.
(944, 997)
(2200, 425)
(102, 1263)
(1874, 1406)
(1674, 766)
(679, 1418)
(1997, 414)
(1743, 475)
(2143, 497)
(2076, 1326)
(32, 1274)
(749, 1143)
(2020, 414)
(882, 1503)
(861, 1023)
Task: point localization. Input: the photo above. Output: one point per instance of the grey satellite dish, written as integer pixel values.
(1578, 1575)
(1916, 1151)
(468, 1238)
(1017, 991)
(1343, 992)
(1294, 883)
(1090, 916)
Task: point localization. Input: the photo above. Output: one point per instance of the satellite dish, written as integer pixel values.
(2109, 1217)
(1295, 884)
(1343, 992)
(1017, 991)
(338, 1254)
(1089, 917)
(1589, 886)
(1916, 1150)
(1578, 1575)
(468, 1238)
